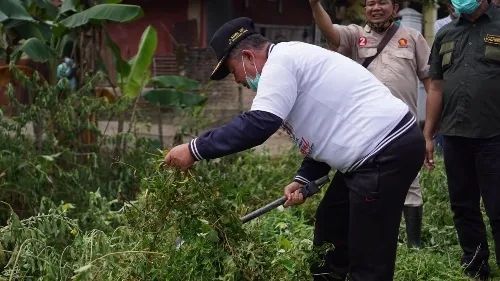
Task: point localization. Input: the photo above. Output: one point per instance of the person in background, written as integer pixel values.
(399, 66)
(464, 103)
(452, 15)
(67, 70)
(341, 117)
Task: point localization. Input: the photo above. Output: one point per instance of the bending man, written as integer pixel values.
(341, 117)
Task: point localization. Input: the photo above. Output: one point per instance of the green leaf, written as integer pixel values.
(3, 17)
(48, 158)
(212, 236)
(27, 30)
(122, 67)
(132, 60)
(104, 12)
(288, 265)
(177, 82)
(101, 66)
(285, 243)
(145, 53)
(36, 49)
(171, 97)
(110, 1)
(69, 5)
(83, 268)
(48, 7)
(14, 9)
(12, 23)
(58, 30)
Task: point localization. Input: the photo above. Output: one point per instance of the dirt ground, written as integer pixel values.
(279, 142)
(276, 144)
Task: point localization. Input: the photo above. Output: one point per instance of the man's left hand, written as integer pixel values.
(179, 157)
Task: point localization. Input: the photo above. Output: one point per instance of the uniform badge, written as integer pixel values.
(492, 39)
(403, 43)
(362, 41)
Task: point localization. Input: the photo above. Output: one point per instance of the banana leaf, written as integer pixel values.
(171, 97)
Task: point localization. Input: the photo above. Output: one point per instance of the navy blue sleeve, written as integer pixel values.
(311, 170)
(245, 131)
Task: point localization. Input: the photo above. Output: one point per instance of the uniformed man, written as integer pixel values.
(340, 116)
(464, 101)
(452, 15)
(400, 65)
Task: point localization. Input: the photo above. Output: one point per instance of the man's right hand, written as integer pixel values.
(429, 153)
(293, 195)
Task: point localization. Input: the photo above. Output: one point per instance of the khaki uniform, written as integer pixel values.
(399, 65)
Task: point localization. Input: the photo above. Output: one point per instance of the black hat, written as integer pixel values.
(225, 38)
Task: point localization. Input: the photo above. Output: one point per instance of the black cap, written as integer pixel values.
(225, 38)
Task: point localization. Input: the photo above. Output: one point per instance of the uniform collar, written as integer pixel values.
(490, 13)
(270, 49)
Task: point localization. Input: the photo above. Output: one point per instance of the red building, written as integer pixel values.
(193, 22)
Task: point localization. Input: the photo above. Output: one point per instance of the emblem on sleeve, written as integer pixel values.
(492, 39)
(403, 43)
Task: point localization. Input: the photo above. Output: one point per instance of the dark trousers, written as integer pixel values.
(473, 171)
(438, 144)
(361, 212)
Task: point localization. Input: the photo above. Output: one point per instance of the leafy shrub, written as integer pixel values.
(185, 226)
(193, 208)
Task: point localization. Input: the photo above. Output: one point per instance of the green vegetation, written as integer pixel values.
(97, 237)
(105, 210)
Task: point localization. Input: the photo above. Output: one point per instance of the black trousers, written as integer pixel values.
(361, 212)
(473, 171)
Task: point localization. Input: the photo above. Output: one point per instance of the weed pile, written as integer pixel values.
(183, 226)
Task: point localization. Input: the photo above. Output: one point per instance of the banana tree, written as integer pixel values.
(175, 91)
(42, 31)
(134, 75)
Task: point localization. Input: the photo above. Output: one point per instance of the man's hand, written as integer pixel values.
(429, 153)
(313, 2)
(292, 193)
(179, 157)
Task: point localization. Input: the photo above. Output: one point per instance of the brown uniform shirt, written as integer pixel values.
(403, 60)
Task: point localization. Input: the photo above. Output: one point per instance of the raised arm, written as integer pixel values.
(325, 25)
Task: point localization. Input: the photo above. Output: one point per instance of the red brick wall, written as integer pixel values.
(128, 35)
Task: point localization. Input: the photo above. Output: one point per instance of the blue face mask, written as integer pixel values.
(465, 6)
(252, 83)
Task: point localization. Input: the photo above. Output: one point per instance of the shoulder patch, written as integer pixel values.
(362, 41)
(492, 39)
